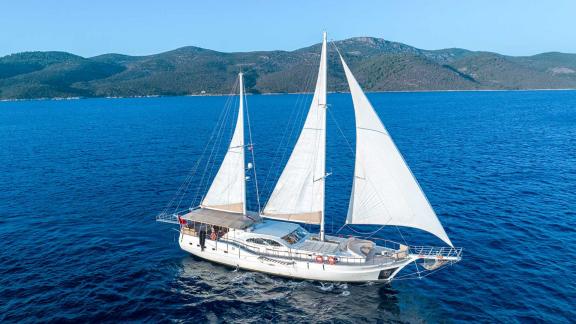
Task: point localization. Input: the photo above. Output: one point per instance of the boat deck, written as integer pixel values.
(319, 247)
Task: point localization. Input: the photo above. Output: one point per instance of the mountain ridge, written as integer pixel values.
(379, 65)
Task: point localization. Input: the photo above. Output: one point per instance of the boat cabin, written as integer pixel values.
(279, 238)
(215, 223)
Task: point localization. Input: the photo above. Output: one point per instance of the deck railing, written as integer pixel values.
(294, 255)
(301, 256)
(436, 251)
(167, 218)
(396, 251)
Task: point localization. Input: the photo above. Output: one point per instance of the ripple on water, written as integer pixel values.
(81, 181)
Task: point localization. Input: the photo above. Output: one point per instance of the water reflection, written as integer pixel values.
(223, 291)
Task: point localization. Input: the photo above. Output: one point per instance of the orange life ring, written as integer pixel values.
(319, 259)
(213, 236)
(331, 260)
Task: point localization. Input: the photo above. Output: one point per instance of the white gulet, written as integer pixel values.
(384, 192)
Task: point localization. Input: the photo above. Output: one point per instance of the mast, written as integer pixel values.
(241, 117)
(299, 193)
(228, 189)
(323, 105)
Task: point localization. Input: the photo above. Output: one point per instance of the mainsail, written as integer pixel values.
(299, 193)
(384, 190)
(228, 190)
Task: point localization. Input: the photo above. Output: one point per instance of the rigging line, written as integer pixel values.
(336, 48)
(290, 136)
(215, 133)
(332, 223)
(295, 119)
(232, 126)
(252, 150)
(295, 116)
(381, 202)
(282, 147)
(184, 187)
(403, 239)
(418, 270)
(218, 129)
(180, 188)
(406, 243)
(217, 141)
(212, 160)
(186, 183)
(365, 233)
(378, 230)
(426, 273)
(338, 231)
(318, 144)
(196, 200)
(299, 117)
(341, 132)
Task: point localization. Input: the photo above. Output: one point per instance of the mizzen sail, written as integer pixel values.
(384, 190)
(228, 190)
(299, 193)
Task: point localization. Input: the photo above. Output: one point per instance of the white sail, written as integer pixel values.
(228, 190)
(384, 190)
(299, 193)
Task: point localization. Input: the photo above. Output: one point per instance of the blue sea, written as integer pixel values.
(81, 182)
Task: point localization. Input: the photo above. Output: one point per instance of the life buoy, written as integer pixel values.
(440, 257)
(213, 236)
(319, 259)
(331, 260)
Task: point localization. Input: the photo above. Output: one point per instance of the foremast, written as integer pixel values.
(228, 189)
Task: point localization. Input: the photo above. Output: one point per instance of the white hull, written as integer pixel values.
(230, 255)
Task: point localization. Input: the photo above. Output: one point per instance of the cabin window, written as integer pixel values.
(272, 243)
(261, 241)
(258, 241)
(295, 236)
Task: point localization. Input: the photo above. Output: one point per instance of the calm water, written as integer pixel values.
(81, 182)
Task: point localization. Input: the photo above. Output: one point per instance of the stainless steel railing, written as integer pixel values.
(396, 251)
(436, 251)
(294, 255)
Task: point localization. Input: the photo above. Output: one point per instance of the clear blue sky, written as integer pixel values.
(92, 27)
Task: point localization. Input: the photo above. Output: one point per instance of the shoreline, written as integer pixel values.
(277, 94)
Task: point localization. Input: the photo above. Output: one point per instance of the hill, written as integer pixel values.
(378, 64)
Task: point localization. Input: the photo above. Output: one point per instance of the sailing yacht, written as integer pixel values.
(273, 241)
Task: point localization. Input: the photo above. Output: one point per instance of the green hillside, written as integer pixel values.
(378, 64)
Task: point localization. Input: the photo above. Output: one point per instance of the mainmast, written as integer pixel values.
(299, 193)
(322, 74)
(241, 117)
